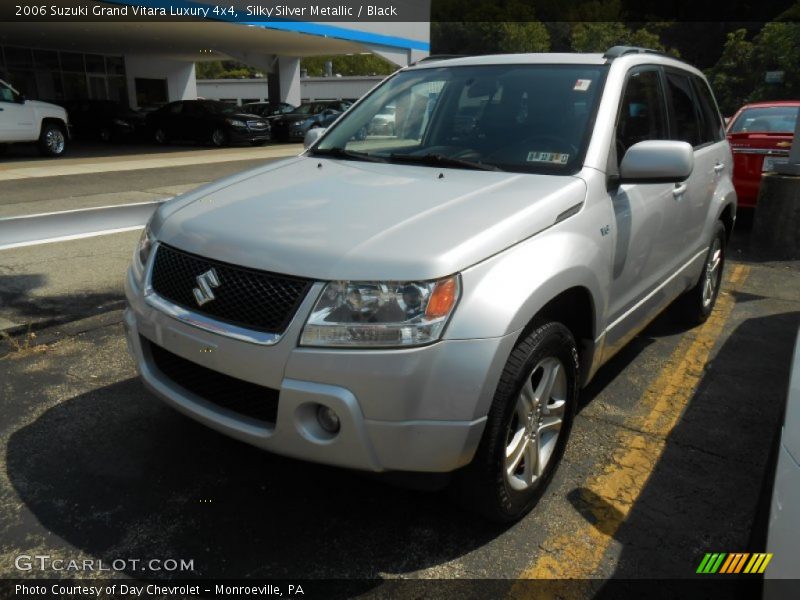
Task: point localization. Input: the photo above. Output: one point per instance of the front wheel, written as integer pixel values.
(698, 302)
(160, 136)
(52, 141)
(527, 426)
(219, 138)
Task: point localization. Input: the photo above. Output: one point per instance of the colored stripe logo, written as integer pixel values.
(735, 562)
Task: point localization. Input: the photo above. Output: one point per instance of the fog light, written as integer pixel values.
(328, 419)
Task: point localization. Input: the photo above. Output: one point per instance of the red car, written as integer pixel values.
(760, 136)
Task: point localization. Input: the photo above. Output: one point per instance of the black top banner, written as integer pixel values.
(264, 11)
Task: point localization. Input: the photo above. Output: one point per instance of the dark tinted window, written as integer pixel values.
(686, 119)
(642, 114)
(714, 129)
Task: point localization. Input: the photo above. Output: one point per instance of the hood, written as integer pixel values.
(44, 105)
(294, 116)
(245, 116)
(337, 219)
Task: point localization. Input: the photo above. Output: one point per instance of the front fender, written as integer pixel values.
(502, 294)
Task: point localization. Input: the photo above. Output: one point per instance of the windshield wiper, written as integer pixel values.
(440, 160)
(337, 152)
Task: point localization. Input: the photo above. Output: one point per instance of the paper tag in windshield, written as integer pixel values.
(556, 158)
(582, 85)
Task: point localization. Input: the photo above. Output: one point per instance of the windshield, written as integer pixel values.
(524, 118)
(778, 119)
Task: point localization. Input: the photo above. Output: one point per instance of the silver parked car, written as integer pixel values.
(433, 300)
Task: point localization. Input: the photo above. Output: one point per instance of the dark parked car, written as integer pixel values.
(294, 125)
(105, 120)
(206, 121)
(269, 109)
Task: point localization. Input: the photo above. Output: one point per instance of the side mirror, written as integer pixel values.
(657, 161)
(312, 135)
(21, 98)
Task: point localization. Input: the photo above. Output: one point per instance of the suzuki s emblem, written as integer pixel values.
(205, 281)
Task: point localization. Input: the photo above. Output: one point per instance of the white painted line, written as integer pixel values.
(67, 238)
(74, 210)
(138, 162)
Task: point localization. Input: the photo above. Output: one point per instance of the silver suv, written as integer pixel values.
(432, 298)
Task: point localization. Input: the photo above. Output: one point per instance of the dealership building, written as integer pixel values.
(146, 63)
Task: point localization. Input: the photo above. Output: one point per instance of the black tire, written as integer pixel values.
(695, 305)
(219, 137)
(3, 149)
(52, 140)
(160, 136)
(484, 485)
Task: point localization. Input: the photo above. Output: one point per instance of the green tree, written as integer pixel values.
(738, 76)
(485, 37)
(599, 36)
(225, 69)
(732, 78)
(355, 64)
(486, 27)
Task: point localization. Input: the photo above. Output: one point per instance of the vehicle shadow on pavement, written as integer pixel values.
(19, 305)
(117, 474)
(709, 484)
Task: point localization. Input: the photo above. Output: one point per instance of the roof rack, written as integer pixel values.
(617, 51)
(433, 57)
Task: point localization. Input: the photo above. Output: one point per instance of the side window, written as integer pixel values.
(715, 130)
(687, 125)
(6, 94)
(642, 113)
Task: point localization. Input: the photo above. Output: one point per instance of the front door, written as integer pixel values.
(16, 119)
(647, 216)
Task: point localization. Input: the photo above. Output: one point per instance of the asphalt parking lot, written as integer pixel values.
(669, 456)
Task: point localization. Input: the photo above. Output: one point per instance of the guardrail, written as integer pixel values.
(45, 228)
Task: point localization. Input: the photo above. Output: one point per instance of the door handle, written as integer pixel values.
(679, 190)
(2, 109)
(719, 167)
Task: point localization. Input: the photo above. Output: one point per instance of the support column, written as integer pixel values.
(284, 81)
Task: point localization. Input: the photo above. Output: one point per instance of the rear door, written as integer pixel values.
(169, 118)
(694, 119)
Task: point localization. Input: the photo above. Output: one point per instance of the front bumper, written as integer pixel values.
(417, 409)
(246, 135)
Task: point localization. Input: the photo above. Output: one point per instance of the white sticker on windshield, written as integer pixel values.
(582, 85)
(557, 158)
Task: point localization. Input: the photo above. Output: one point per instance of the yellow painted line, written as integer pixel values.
(82, 166)
(578, 553)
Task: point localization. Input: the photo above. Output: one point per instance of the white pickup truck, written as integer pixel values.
(23, 120)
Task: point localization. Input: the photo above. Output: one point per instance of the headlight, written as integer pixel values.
(235, 123)
(145, 246)
(375, 313)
